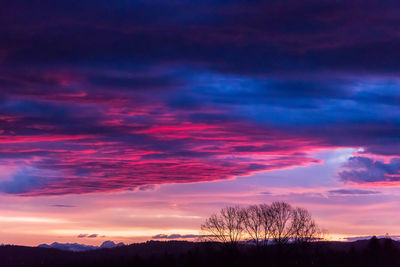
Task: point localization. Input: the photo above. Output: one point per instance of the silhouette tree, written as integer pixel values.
(281, 227)
(226, 227)
(304, 228)
(267, 221)
(253, 222)
(257, 223)
(373, 252)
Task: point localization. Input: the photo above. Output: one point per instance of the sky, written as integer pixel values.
(132, 120)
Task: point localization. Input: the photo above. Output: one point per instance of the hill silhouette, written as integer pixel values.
(373, 252)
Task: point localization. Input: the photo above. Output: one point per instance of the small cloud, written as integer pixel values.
(87, 236)
(265, 193)
(353, 192)
(160, 236)
(149, 187)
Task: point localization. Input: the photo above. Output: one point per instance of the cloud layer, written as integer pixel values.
(128, 95)
(345, 192)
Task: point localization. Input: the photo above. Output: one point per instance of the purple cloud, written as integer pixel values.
(92, 236)
(87, 235)
(353, 192)
(367, 170)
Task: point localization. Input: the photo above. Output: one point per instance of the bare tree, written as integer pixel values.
(281, 227)
(234, 223)
(267, 221)
(214, 229)
(304, 228)
(227, 226)
(253, 223)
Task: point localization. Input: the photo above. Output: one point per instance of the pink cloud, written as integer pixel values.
(122, 155)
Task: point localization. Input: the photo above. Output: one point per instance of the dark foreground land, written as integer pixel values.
(374, 252)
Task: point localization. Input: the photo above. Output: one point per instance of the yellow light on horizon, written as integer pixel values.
(30, 219)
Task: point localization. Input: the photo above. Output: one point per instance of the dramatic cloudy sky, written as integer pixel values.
(128, 120)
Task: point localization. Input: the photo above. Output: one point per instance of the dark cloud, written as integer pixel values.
(93, 236)
(87, 235)
(353, 192)
(149, 187)
(236, 37)
(367, 170)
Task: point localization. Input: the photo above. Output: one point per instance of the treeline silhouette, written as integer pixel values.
(366, 253)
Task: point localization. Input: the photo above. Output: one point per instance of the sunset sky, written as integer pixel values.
(132, 120)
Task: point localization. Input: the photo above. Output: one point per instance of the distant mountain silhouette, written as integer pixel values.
(111, 244)
(75, 247)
